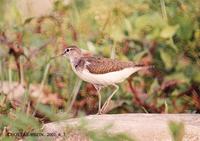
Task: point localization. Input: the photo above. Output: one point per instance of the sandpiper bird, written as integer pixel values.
(100, 71)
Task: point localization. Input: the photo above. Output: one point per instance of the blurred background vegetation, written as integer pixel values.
(165, 33)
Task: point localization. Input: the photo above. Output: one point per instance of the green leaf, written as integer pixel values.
(177, 130)
(186, 26)
(152, 19)
(28, 20)
(178, 76)
(117, 33)
(154, 85)
(168, 31)
(128, 25)
(196, 76)
(167, 58)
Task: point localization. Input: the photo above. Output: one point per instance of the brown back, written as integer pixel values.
(99, 65)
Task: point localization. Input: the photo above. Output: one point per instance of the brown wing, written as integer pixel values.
(99, 65)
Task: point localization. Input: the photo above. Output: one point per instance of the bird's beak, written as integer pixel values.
(56, 56)
(62, 54)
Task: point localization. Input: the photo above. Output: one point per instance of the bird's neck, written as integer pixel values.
(74, 60)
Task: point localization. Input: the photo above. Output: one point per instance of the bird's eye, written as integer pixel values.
(66, 50)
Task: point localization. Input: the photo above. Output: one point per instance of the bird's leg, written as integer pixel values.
(103, 109)
(98, 88)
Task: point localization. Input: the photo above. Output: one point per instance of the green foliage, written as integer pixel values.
(18, 122)
(102, 134)
(177, 130)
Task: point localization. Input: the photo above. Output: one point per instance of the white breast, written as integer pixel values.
(107, 78)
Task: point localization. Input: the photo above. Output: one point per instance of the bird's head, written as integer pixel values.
(72, 52)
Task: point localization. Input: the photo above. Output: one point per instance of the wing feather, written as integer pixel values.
(99, 65)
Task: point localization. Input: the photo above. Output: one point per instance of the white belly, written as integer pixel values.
(107, 78)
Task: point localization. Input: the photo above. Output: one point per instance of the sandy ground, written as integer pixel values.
(142, 127)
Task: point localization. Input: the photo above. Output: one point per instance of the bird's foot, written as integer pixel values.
(99, 112)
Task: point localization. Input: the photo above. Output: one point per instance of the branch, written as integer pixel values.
(139, 101)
